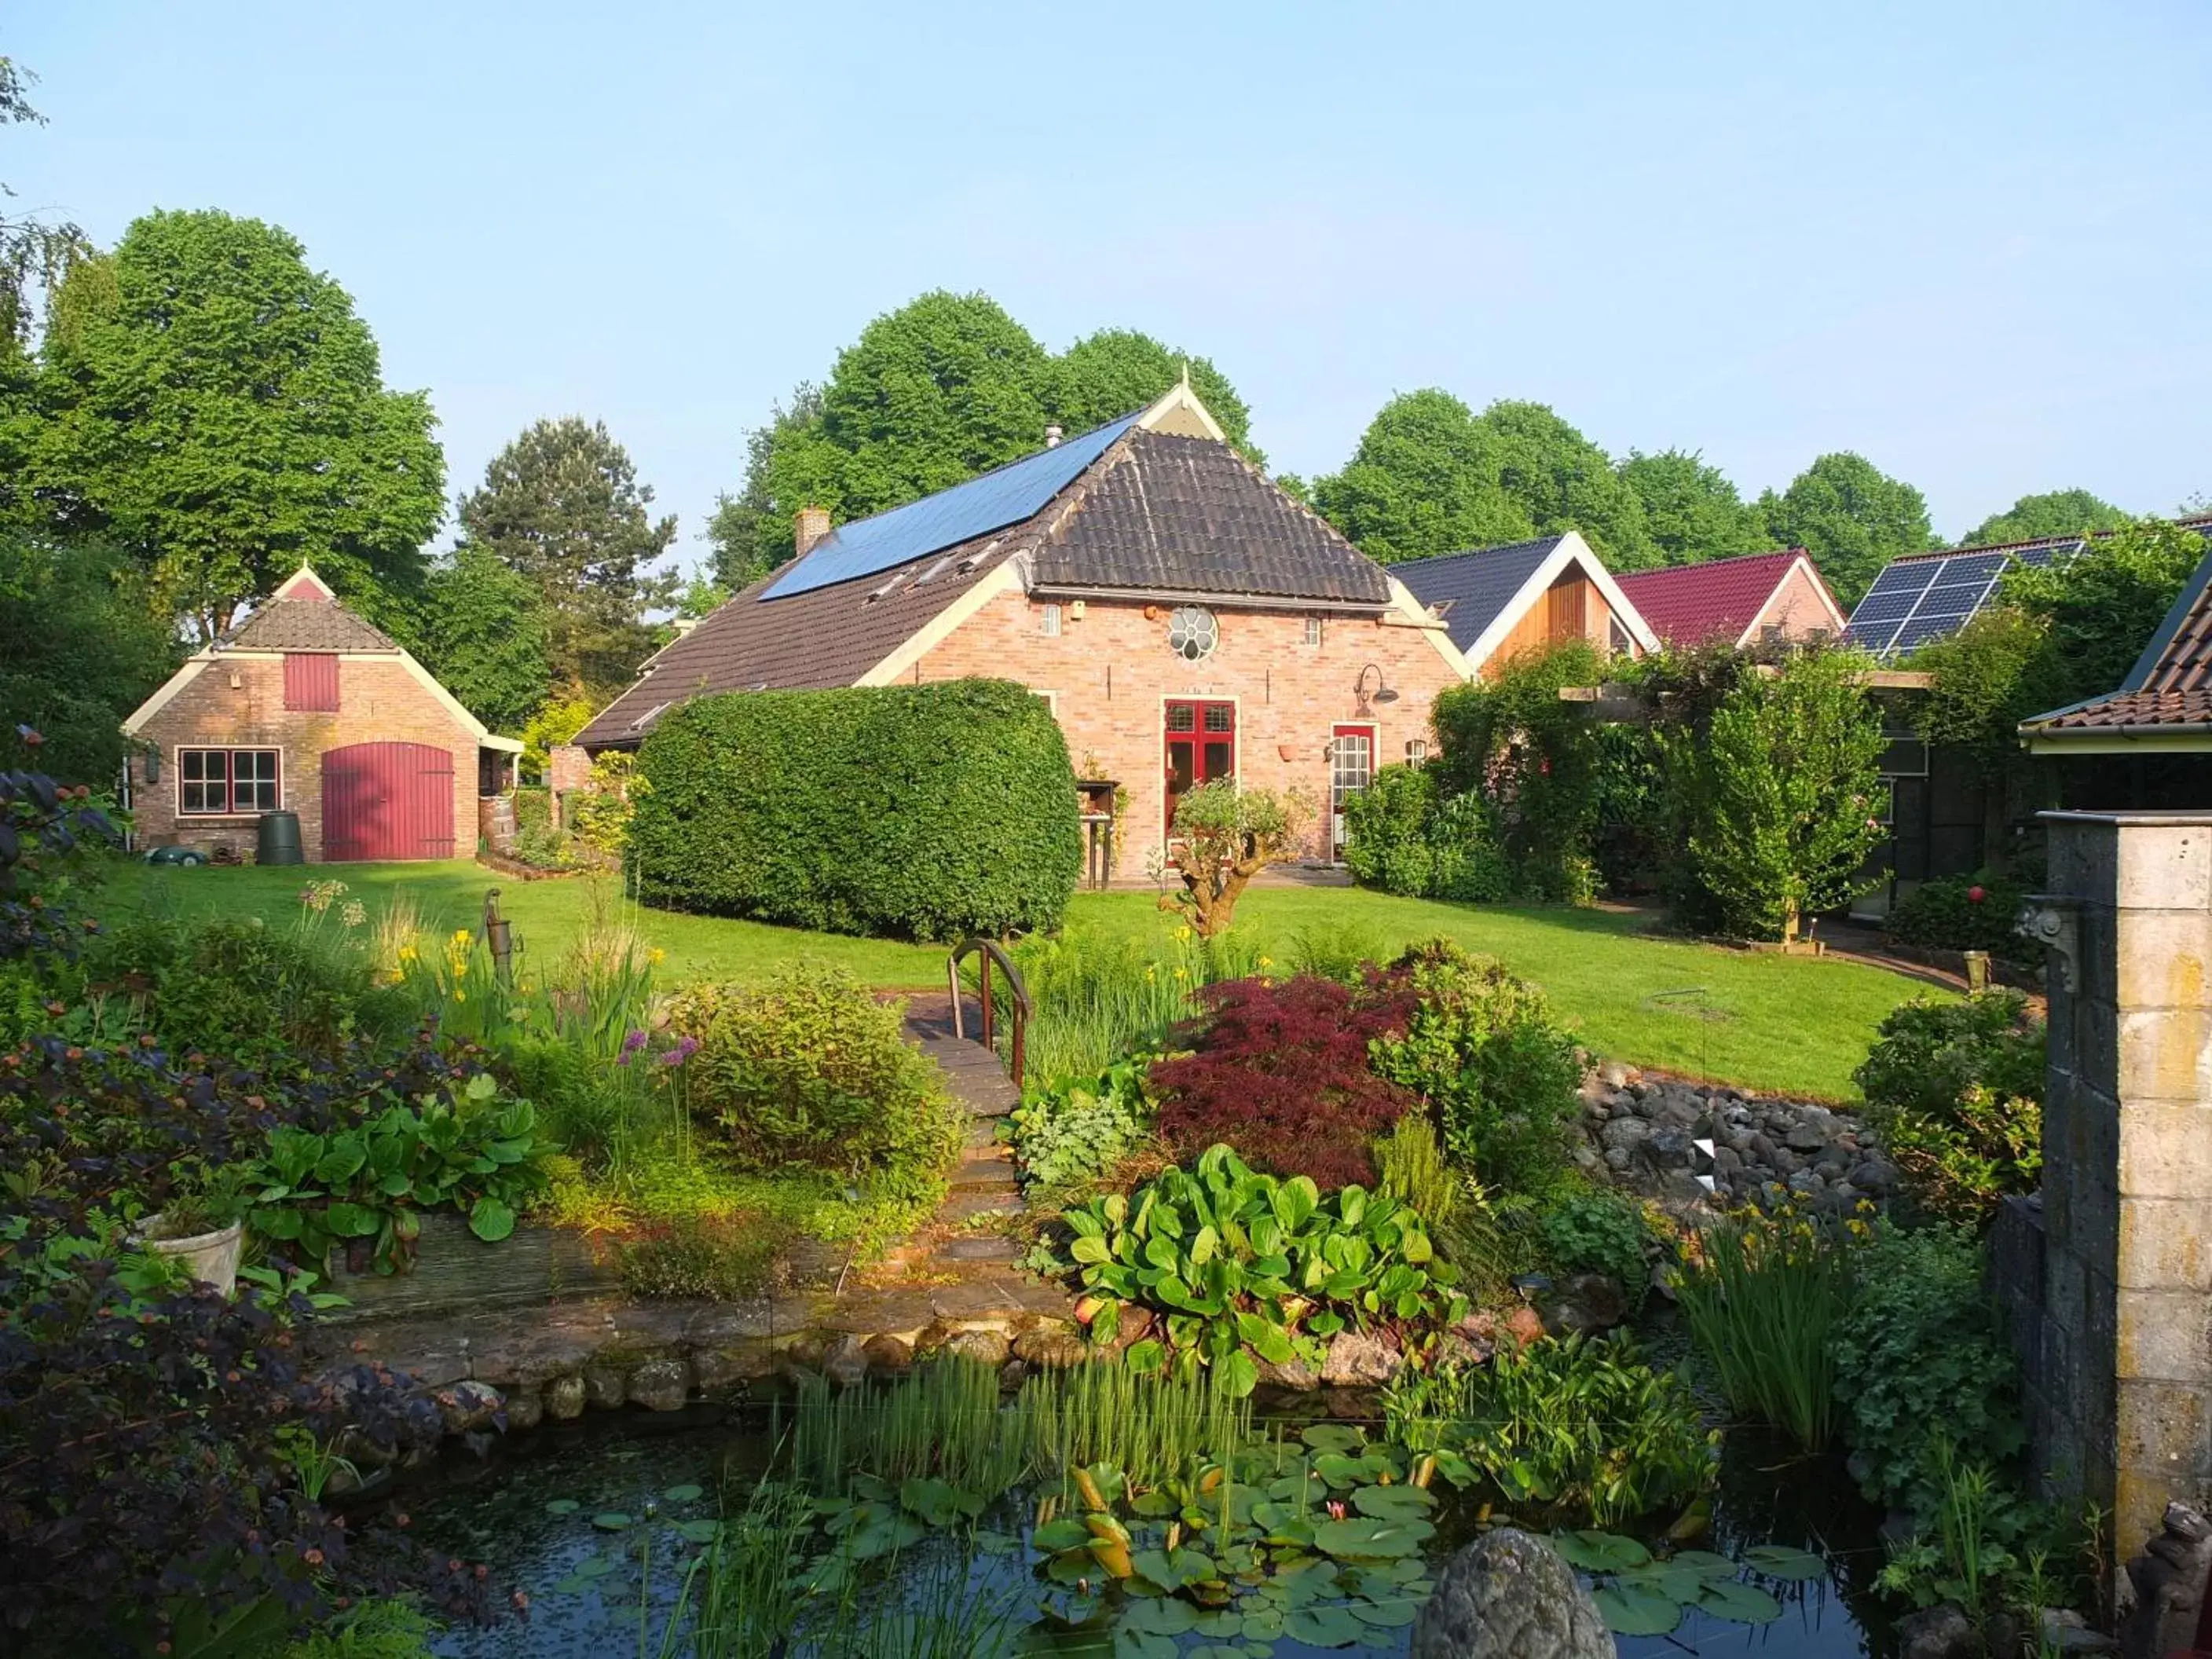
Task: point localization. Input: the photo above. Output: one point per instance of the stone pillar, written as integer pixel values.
(2120, 1391)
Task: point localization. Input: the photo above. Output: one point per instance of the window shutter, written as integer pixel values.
(311, 681)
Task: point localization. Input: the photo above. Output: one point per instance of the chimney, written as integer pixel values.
(1052, 436)
(810, 525)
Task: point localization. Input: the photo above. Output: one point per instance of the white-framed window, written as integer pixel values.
(225, 782)
(1313, 630)
(1192, 633)
(1417, 751)
(1049, 621)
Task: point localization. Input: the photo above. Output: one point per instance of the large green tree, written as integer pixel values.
(1423, 481)
(1562, 481)
(85, 647)
(561, 507)
(2055, 512)
(1692, 512)
(1852, 517)
(483, 634)
(215, 409)
(945, 387)
(34, 251)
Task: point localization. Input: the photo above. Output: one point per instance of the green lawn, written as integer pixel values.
(1792, 1024)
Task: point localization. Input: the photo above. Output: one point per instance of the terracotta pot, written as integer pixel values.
(211, 1258)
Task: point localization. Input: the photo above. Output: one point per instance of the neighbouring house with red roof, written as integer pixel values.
(1758, 599)
(1185, 617)
(306, 708)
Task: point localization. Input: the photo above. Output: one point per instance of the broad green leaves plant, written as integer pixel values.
(371, 1181)
(1248, 1267)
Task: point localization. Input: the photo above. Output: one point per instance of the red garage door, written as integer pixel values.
(387, 800)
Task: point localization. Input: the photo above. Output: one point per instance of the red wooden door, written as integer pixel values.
(1202, 746)
(387, 800)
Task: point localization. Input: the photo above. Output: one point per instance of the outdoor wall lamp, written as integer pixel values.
(1382, 693)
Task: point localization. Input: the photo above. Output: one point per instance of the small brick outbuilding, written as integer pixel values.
(306, 708)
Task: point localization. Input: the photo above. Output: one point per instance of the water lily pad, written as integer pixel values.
(1630, 1610)
(595, 1566)
(1366, 1538)
(1706, 1564)
(682, 1494)
(1396, 1503)
(1322, 1627)
(1777, 1561)
(1601, 1551)
(1065, 1534)
(1142, 1644)
(1165, 1617)
(610, 1520)
(1743, 1604)
(562, 1506)
(1334, 1437)
(1384, 1615)
(1263, 1623)
(1220, 1624)
(698, 1532)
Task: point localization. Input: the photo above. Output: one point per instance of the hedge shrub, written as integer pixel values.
(925, 812)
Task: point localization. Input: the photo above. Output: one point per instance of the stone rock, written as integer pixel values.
(2065, 1631)
(1614, 1075)
(1294, 1375)
(1679, 1113)
(888, 1354)
(1622, 1134)
(1873, 1175)
(1588, 1160)
(846, 1363)
(1937, 1633)
(468, 1406)
(1359, 1356)
(722, 1367)
(1726, 1160)
(1617, 1158)
(1805, 1136)
(525, 1410)
(990, 1346)
(1508, 1596)
(603, 1385)
(1585, 1302)
(659, 1385)
(2169, 1581)
(1059, 1345)
(565, 1398)
(1806, 1184)
(1012, 1374)
(1668, 1149)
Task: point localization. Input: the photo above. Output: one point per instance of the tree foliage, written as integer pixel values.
(214, 408)
(561, 507)
(85, 648)
(945, 387)
(1423, 481)
(1229, 834)
(1430, 476)
(1852, 517)
(1781, 792)
(483, 635)
(35, 253)
(2055, 512)
(1692, 512)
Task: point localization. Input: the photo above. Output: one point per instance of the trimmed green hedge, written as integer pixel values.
(922, 811)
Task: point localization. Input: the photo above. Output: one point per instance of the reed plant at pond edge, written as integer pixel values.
(1149, 1426)
(942, 1420)
(1764, 1296)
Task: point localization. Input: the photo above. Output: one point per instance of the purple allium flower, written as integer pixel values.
(631, 1044)
(684, 1049)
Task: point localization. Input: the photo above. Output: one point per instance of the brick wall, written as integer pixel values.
(1110, 673)
(566, 768)
(380, 702)
(1796, 607)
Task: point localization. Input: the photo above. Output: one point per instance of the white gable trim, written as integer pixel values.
(166, 693)
(1407, 611)
(1178, 411)
(306, 573)
(1836, 617)
(1572, 550)
(1008, 577)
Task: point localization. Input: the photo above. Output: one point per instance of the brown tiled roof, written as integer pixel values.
(2132, 709)
(304, 625)
(1187, 514)
(1155, 511)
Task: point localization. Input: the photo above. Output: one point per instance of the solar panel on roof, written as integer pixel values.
(1005, 497)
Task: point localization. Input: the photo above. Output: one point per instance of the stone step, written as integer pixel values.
(984, 1174)
(965, 1206)
(984, 1132)
(982, 1247)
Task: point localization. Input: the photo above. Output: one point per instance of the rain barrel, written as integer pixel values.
(277, 839)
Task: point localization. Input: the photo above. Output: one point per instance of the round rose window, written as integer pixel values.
(1192, 633)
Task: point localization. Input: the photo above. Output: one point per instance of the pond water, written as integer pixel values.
(599, 1521)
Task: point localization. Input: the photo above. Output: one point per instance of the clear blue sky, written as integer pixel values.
(1969, 240)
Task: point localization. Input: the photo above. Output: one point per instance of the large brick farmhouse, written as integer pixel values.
(1186, 619)
(305, 708)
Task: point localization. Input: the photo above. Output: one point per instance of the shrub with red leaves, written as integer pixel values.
(1279, 1071)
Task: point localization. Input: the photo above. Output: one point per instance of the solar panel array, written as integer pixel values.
(1915, 600)
(1014, 492)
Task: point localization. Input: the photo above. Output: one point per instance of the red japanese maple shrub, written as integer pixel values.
(1279, 1071)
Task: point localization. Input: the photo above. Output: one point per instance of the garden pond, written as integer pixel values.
(605, 1523)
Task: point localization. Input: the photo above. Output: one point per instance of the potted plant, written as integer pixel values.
(202, 1225)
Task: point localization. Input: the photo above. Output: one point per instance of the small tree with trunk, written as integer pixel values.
(1227, 836)
(1781, 792)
